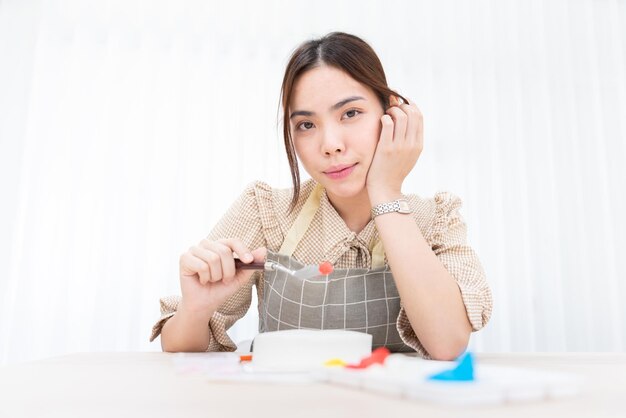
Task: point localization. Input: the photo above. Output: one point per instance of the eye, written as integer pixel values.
(304, 126)
(352, 113)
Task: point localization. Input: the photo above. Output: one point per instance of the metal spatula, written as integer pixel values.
(305, 272)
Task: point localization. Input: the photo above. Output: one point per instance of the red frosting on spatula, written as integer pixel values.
(326, 268)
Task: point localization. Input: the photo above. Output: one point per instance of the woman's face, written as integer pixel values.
(335, 123)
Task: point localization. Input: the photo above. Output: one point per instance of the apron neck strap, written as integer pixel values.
(303, 221)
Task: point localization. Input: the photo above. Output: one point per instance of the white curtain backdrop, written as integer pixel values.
(128, 127)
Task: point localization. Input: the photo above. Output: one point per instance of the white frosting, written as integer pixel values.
(300, 349)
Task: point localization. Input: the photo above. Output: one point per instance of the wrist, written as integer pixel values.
(193, 313)
(379, 196)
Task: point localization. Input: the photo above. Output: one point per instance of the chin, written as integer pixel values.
(344, 190)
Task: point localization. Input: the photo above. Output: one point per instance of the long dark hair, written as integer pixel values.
(343, 51)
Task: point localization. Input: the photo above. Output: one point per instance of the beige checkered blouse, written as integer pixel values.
(259, 218)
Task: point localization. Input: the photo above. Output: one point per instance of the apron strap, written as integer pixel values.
(304, 219)
(378, 255)
(302, 222)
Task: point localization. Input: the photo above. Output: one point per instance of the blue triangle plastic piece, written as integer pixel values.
(462, 372)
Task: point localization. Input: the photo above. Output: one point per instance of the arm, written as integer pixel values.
(198, 320)
(187, 330)
(430, 295)
(210, 304)
(431, 298)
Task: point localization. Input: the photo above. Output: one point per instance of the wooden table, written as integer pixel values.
(147, 384)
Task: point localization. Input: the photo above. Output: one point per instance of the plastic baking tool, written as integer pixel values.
(378, 357)
(462, 372)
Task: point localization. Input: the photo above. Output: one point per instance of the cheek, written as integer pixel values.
(302, 152)
(298, 146)
(371, 135)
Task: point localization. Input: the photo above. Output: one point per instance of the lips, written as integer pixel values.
(341, 171)
(338, 168)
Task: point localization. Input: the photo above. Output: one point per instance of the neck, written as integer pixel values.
(355, 211)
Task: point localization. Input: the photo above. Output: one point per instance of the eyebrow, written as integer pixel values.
(333, 107)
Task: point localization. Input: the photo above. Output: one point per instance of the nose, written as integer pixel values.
(332, 142)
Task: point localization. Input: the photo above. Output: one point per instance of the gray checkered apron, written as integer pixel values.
(357, 299)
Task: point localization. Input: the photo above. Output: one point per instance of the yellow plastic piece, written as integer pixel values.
(335, 362)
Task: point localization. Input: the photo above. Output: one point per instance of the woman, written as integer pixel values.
(358, 140)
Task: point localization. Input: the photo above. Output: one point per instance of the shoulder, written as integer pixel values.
(278, 199)
(272, 206)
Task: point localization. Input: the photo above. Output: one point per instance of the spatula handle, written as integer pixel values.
(249, 266)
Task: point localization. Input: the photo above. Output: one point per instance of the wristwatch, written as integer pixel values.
(399, 205)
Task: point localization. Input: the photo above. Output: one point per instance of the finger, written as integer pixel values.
(191, 265)
(228, 280)
(238, 246)
(212, 259)
(414, 121)
(260, 256)
(397, 101)
(386, 132)
(223, 248)
(204, 243)
(399, 123)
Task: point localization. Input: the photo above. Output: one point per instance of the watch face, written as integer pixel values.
(404, 206)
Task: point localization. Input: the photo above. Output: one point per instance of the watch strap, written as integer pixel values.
(398, 205)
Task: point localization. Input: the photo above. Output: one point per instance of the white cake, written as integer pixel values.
(300, 349)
